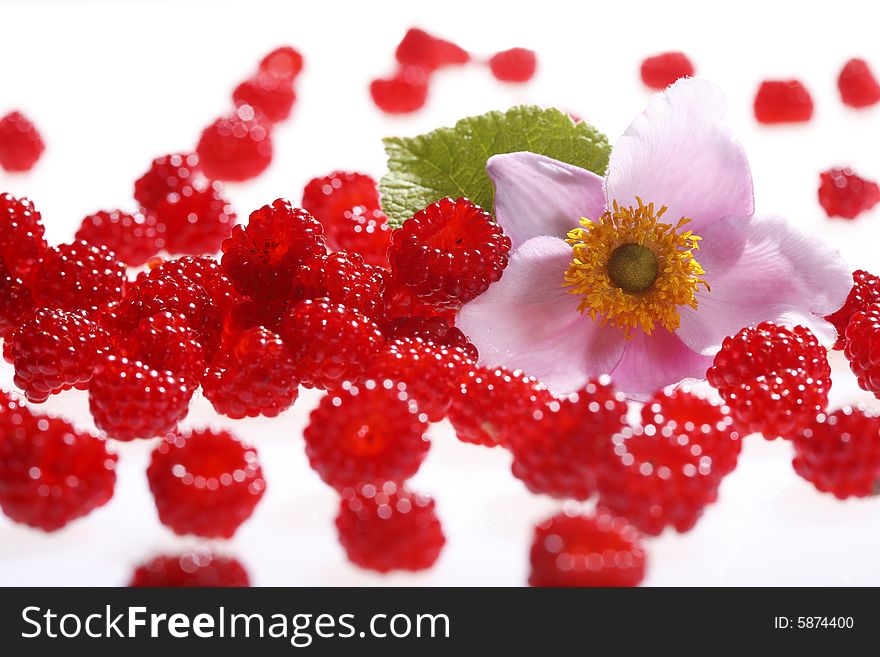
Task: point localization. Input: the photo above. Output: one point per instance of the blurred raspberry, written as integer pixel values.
(857, 84)
(20, 143)
(168, 174)
(284, 62)
(193, 569)
(133, 237)
(22, 243)
(783, 101)
(842, 193)
(418, 48)
(197, 218)
(269, 94)
(236, 147)
(404, 93)
(514, 65)
(660, 71)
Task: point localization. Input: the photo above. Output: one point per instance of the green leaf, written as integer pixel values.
(452, 161)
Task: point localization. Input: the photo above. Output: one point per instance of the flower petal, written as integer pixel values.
(537, 195)
(764, 269)
(655, 361)
(678, 154)
(528, 321)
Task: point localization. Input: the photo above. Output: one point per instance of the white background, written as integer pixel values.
(113, 84)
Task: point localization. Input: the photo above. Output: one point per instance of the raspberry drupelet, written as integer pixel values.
(342, 278)
(514, 65)
(865, 292)
(197, 218)
(385, 527)
(863, 348)
(134, 237)
(200, 568)
(271, 95)
(660, 71)
(843, 193)
(20, 143)
(236, 147)
(263, 258)
(78, 276)
(857, 85)
(575, 550)
(783, 101)
(22, 241)
(205, 483)
(167, 174)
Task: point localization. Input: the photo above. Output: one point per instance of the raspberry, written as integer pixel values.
(285, 62)
(342, 278)
(50, 474)
(269, 94)
(366, 434)
(842, 193)
(194, 569)
(204, 271)
(449, 253)
(404, 93)
(839, 453)
(857, 84)
(236, 147)
(492, 402)
(254, 376)
(514, 65)
(247, 313)
(575, 550)
(660, 71)
(783, 101)
(708, 424)
(434, 330)
(263, 258)
(165, 341)
(418, 48)
(389, 528)
(656, 478)
(134, 238)
(330, 343)
(129, 400)
(863, 348)
(865, 291)
(197, 218)
(559, 450)
(21, 234)
(20, 143)
(167, 174)
(347, 204)
(205, 483)
(773, 378)
(400, 302)
(15, 301)
(54, 350)
(78, 276)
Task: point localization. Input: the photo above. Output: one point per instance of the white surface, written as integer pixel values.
(113, 84)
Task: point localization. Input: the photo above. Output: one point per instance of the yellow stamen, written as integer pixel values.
(640, 291)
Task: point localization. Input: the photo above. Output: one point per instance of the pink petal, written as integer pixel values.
(678, 154)
(764, 269)
(655, 361)
(528, 321)
(536, 195)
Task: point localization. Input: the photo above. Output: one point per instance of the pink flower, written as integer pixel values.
(668, 261)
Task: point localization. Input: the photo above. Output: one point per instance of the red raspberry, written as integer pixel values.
(708, 424)
(863, 348)
(236, 147)
(783, 101)
(389, 528)
(194, 569)
(842, 193)
(773, 378)
(21, 234)
(342, 278)
(865, 291)
(269, 94)
(330, 343)
(20, 143)
(205, 483)
(263, 258)
(54, 350)
(431, 372)
(130, 400)
(285, 62)
(418, 48)
(404, 93)
(15, 301)
(514, 65)
(366, 433)
(204, 271)
(167, 174)
(656, 478)
(575, 550)
(50, 474)
(165, 341)
(857, 84)
(449, 253)
(254, 376)
(347, 204)
(660, 71)
(78, 276)
(839, 453)
(493, 402)
(247, 313)
(197, 218)
(434, 330)
(401, 302)
(559, 450)
(134, 238)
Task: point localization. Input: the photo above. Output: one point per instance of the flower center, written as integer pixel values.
(632, 270)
